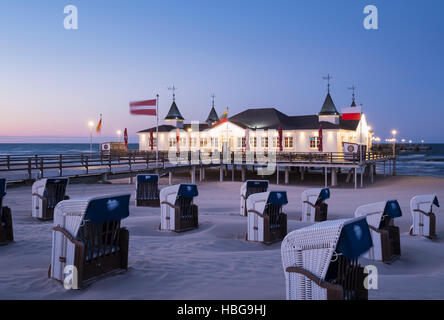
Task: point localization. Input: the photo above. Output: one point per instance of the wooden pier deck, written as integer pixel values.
(90, 167)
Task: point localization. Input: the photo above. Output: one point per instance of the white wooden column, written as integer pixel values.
(362, 177)
(170, 178)
(334, 177)
(277, 174)
(355, 178)
(193, 174)
(326, 177)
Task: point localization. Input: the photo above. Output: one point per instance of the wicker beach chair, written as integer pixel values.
(385, 235)
(248, 188)
(46, 194)
(178, 213)
(266, 222)
(320, 261)
(424, 220)
(147, 190)
(88, 236)
(314, 208)
(6, 231)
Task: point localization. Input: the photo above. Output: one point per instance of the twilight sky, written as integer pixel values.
(250, 53)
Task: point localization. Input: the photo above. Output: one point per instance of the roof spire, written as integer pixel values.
(328, 78)
(353, 88)
(173, 88)
(213, 96)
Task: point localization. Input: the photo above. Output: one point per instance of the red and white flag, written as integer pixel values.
(351, 113)
(143, 108)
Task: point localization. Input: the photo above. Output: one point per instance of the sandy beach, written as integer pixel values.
(215, 261)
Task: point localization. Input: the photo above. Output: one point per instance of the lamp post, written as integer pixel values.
(91, 126)
(394, 132)
(119, 134)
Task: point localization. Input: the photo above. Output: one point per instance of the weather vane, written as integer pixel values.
(353, 89)
(173, 88)
(213, 96)
(328, 78)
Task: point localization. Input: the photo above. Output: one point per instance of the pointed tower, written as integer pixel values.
(328, 111)
(212, 117)
(174, 116)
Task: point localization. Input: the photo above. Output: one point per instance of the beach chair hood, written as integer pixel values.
(312, 195)
(324, 194)
(258, 201)
(253, 184)
(374, 211)
(147, 177)
(170, 194)
(70, 214)
(424, 202)
(188, 191)
(312, 247)
(392, 209)
(112, 208)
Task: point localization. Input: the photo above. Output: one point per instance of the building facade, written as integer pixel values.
(265, 128)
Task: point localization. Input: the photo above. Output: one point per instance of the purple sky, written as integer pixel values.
(250, 53)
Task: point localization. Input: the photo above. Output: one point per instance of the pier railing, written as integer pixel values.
(86, 162)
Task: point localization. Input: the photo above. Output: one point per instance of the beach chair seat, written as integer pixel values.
(314, 207)
(385, 235)
(178, 212)
(266, 223)
(424, 220)
(147, 190)
(6, 230)
(88, 236)
(321, 261)
(248, 188)
(46, 194)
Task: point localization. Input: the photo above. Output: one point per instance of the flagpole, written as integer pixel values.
(157, 130)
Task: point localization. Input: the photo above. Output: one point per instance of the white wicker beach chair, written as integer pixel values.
(266, 222)
(385, 235)
(250, 187)
(87, 235)
(46, 193)
(178, 213)
(314, 208)
(147, 190)
(424, 220)
(320, 261)
(6, 232)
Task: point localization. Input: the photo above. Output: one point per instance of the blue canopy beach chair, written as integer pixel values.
(6, 231)
(88, 236)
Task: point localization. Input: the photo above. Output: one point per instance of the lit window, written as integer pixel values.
(154, 142)
(264, 142)
(275, 142)
(288, 142)
(314, 142)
